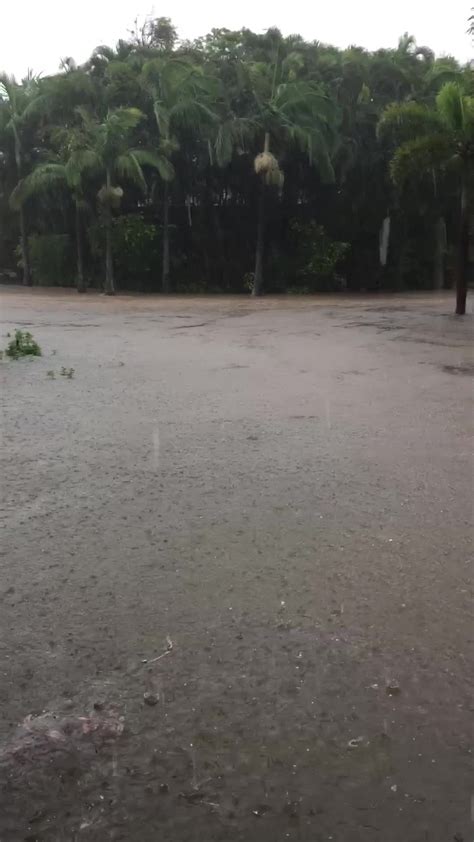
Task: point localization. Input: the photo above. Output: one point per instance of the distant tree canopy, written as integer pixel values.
(239, 162)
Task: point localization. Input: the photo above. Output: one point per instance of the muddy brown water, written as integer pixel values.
(281, 503)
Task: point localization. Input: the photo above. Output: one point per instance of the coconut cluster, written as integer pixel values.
(267, 166)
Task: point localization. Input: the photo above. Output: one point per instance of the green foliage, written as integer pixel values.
(426, 140)
(403, 121)
(317, 256)
(46, 177)
(154, 33)
(155, 143)
(248, 281)
(419, 157)
(22, 345)
(437, 149)
(137, 249)
(52, 259)
(67, 372)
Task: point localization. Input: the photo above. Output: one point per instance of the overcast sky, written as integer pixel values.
(37, 33)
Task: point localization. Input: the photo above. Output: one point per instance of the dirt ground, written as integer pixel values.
(275, 496)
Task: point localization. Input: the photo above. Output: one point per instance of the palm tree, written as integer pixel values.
(287, 114)
(45, 178)
(437, 140)
(105, 149)
(181, 98)
(21, 103)
(59, 101)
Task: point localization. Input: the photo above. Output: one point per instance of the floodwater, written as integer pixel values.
(235, 601)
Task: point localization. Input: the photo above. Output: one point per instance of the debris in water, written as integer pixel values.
(38, 736)
(150, 699)
(393, 688)
(355, 742)
(169, 647)
(193, 796)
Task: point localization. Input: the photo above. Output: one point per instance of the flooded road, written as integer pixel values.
(235, 594)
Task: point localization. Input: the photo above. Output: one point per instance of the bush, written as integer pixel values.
(52, 259)
(22, 345)
(317, 257)
(136, 251)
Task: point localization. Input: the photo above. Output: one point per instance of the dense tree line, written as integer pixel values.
(240, 162)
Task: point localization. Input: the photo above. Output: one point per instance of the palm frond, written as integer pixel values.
(104, 52)
(36, 107)
(89, 124)
(414, 158)
(443, 70)
(162, 118)
(124, 119)
(149, 158)
(322, 161)
(402, 121)
(190, 114)
(223, 144)
(128, 167)
(9, 89)
(315, 146)
(151, 74)
(161, 76)
(45, 177)
(450, 105)
(80, 162)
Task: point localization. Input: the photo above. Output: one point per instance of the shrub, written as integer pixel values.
(317, 257)
(136, 251)
(52, 259)
(23, 345)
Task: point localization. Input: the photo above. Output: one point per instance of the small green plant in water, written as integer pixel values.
(248, 281)
(22, 345)
(67, 372)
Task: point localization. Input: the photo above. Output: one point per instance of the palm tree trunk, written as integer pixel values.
(463, 255)
(25, 252)
(81, 286)
(258, 277)
(109, 263)
(165, 274)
